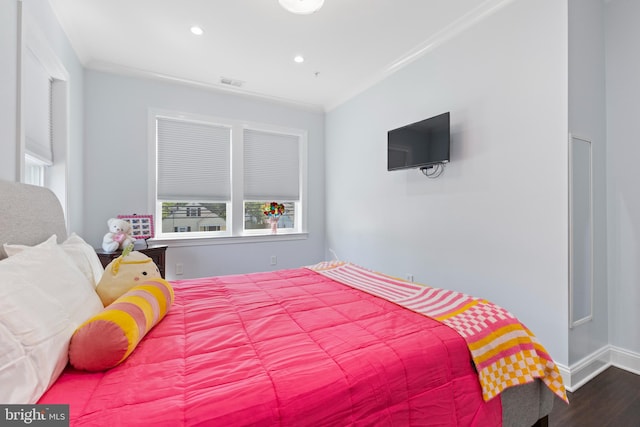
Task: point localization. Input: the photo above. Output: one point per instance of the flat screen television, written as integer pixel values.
(419, 145)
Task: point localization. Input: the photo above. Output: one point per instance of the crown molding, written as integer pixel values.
(485, 9)
(220, 88)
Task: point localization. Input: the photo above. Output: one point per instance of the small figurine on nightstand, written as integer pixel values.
(119, 235)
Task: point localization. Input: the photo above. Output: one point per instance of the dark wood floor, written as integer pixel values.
(610, 399)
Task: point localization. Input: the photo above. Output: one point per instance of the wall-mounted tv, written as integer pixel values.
(421, 144)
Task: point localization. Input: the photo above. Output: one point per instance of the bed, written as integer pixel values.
(292, 347)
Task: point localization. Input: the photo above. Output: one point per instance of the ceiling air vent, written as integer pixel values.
(231, 82)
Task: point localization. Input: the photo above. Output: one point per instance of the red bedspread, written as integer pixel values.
(289, 348)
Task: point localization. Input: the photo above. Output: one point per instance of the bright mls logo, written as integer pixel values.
(34, 415)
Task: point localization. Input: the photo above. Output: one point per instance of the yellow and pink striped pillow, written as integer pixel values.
(109, 337)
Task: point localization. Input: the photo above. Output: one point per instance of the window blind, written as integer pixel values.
(271, 166)
(37, 109)
(194, 161)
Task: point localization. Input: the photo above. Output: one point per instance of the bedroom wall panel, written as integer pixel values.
(116, 123)
(581, 232)
(8, 82)
(495, 224)
(623, 152)
(587, 120)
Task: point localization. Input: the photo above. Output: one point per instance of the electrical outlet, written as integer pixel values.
(274, 260)
(179, 269)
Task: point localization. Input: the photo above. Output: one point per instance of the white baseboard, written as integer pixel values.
(625, 359)
(581, 372)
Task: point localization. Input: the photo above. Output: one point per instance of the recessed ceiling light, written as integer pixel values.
(301, 7)
(198, 31)
(299, 59)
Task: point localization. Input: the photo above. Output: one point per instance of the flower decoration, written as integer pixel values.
(273, 209)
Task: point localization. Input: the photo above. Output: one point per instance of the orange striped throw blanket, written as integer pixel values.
(504, 351)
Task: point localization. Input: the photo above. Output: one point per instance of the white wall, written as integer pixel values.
(8, 82)
(623, 153)
(587, 119)
(116, 125)
(495, 224)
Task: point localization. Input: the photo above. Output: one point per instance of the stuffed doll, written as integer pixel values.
(123, 273)
(119, 235)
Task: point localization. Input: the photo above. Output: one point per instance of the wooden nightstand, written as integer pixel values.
(155, 252)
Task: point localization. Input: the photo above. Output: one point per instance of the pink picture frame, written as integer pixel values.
(141, 225)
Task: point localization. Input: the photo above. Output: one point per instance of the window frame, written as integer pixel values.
(32, 39)
(235, 232)
(35, 171)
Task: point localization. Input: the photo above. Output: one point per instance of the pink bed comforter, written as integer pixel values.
(290, 348)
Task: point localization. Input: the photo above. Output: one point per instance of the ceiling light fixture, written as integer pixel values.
(198, 31)
(299, 59)
(301, 7)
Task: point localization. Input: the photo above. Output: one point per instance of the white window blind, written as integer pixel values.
(271, 166)
(194, 161)
(37, 109)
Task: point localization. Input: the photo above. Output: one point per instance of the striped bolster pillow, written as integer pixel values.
(109, 337)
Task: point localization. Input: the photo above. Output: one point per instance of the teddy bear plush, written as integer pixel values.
(119, 235)
(130, 269)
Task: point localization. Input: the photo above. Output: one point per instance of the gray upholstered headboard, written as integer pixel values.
(29, 215)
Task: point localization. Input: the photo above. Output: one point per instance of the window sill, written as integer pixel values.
(227, 240)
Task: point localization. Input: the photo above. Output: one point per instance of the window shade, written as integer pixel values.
(37, 109)
(194, 161)
(271, 166)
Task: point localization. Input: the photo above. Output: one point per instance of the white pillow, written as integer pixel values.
(82, 254)
(43, 299)
(14, 249)
(85, 258)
